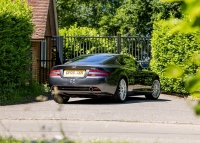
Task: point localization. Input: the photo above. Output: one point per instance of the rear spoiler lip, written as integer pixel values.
(75, 67)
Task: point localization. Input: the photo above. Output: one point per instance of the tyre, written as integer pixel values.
(121, 91)
(61, 99)
(155, 93)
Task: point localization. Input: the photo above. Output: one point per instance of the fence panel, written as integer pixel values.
(74, 46)
(137, 46)
(80, 45)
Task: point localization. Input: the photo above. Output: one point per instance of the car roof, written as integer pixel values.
(105, 54)
(93, 58)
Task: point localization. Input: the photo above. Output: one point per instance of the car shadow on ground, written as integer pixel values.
(105, 100)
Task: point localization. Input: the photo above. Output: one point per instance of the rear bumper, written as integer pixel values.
(83, 91)
(82, 87)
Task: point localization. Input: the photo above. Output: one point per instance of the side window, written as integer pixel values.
(120, 60)
(111, 61)
(126, 61)
(129, 62)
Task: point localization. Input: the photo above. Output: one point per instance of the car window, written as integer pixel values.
(91, 58)
(129, 62)
(111, 61)
(120, 60)
(126, 61)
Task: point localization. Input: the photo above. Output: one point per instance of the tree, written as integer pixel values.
(112, 16)
(86, 13)
(138, 15)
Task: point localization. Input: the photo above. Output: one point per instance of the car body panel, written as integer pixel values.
(116, 65)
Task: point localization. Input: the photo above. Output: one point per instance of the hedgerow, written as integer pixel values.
(170, 49)
(16, 29)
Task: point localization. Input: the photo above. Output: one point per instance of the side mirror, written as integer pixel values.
(139, 67)
(143, 64)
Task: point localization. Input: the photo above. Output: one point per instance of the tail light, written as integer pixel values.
(98, 73)
(96, 89)
(54, 73)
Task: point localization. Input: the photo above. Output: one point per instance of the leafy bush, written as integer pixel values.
(79, 41)
(169, 49)
(16, 29)
(84, 40)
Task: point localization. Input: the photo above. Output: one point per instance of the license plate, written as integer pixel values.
(74, 73)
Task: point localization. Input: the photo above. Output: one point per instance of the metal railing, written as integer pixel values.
(74, 46)
(137, 46)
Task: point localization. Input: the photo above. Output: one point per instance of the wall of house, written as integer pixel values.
(48, 37)
(44, 70)
(35, 48)
(41, 71)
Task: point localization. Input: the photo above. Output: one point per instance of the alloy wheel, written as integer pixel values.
(122, 89)
(156, 89)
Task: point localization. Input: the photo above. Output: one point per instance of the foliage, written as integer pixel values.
(78, 41)
(13, 140)
(84, 40)
(16, 29)
(112, 16)
(88, 13)
(173, 49)
(64, 140)
(24, 93)
(191, 8)
(139, 15)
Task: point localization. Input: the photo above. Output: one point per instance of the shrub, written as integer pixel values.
(84, 40)
(170, 49)
(80, 38)
(16, 29)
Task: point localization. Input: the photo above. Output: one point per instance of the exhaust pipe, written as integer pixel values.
(91, 89)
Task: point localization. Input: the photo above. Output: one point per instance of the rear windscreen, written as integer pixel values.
(91, 58)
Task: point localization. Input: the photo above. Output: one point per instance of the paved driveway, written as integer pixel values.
(137, 118)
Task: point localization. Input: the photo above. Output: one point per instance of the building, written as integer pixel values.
(42, 43)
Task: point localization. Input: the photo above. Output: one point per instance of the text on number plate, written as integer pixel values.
(74, 73)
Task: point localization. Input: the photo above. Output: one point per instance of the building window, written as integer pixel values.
(43, 51)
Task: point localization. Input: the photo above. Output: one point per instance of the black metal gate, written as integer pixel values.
(54, 50)
(51, 54)
(137, 46)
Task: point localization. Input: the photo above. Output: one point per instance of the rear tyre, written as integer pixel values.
(155, 93)
(60, 99)
(121, 91)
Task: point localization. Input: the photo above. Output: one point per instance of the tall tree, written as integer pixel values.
(85, 12)
(111, 16)
(140, 14)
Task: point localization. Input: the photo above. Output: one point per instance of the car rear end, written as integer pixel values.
(80, 81)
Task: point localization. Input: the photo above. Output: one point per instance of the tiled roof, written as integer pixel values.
(40, 12)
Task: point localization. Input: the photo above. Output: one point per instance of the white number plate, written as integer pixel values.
(74, 73)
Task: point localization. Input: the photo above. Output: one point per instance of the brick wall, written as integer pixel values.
(41, 74)
(35, 47)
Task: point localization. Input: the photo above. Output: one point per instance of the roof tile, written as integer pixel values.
(40, 12)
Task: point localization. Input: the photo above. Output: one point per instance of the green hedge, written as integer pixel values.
(16, 29)
(78, 46)
(173, 49)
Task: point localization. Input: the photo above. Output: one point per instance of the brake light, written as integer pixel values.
(54, 73)
(96, 89)
(98, 73)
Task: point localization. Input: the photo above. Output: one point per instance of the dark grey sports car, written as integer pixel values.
(114, 75)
